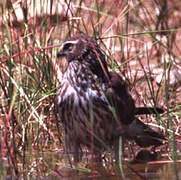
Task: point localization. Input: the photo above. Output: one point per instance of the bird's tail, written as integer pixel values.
(143, 135)
(148, 110)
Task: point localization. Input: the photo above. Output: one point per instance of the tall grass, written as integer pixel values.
(140, 40)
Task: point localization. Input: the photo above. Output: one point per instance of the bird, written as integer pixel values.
(94, 104)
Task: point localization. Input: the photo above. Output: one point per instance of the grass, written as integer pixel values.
(139, 40)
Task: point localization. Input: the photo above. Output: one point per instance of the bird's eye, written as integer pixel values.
(68, 46)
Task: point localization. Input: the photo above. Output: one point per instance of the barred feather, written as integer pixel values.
(89, 105)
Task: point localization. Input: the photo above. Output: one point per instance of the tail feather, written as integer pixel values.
(143, 135)
(148, 110)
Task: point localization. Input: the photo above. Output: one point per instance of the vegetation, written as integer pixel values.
(141, 40)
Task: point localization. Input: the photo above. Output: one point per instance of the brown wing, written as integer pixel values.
(120, 99)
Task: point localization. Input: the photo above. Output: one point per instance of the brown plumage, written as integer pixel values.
(90, 105)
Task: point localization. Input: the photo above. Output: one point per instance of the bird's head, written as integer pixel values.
(85, 50)
(69, 50)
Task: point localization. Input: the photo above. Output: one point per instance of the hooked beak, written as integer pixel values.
(60, 52)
